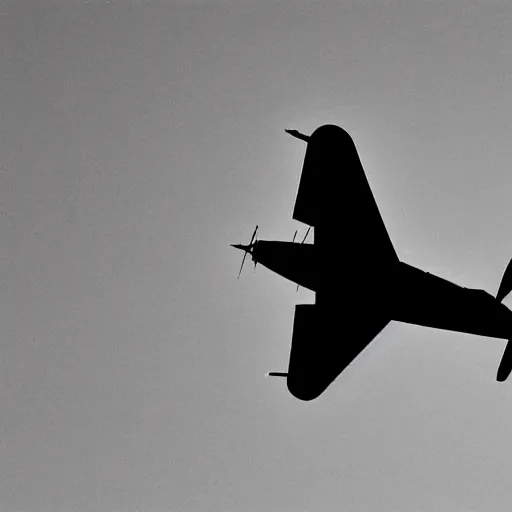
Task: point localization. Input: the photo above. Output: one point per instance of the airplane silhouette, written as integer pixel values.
(360, 284)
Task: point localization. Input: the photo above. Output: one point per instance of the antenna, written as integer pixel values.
(306, 235)
(303, 240)
(298, 135)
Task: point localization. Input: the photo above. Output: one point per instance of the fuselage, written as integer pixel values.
(294, 261)
(407, 293)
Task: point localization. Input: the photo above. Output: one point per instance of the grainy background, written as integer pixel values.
(138, 139)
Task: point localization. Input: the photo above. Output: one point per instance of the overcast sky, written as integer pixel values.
(138, 139)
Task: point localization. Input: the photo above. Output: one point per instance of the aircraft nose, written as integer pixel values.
(246, 248)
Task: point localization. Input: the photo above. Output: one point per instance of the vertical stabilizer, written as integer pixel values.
(506, 283)
(506, 363)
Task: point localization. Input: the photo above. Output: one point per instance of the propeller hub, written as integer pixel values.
(246, 248)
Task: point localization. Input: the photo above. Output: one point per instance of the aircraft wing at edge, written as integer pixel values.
(324, 343)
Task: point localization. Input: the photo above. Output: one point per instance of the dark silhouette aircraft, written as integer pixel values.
(359, 282)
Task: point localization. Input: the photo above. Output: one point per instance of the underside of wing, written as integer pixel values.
(324, 343)
(354, 258)
(334, 196)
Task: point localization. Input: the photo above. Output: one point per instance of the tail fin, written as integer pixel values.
(506, 363)
(506, 283)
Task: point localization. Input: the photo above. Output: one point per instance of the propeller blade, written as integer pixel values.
(242, 265)
(294, 235)
(253, 235)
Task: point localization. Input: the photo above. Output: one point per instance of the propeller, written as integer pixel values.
(247, 249)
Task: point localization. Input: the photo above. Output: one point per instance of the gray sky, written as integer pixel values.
(138, 140)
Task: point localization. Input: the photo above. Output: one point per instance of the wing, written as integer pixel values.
(354, 256)
(324, 343)
(334, 196)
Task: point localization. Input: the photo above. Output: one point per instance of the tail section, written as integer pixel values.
(506, 363)
(504, 289)
(506, 283)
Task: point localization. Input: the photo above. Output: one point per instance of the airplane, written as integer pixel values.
(360, 284)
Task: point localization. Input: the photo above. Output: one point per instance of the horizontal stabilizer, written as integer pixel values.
(506, 283)
(506, 363)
